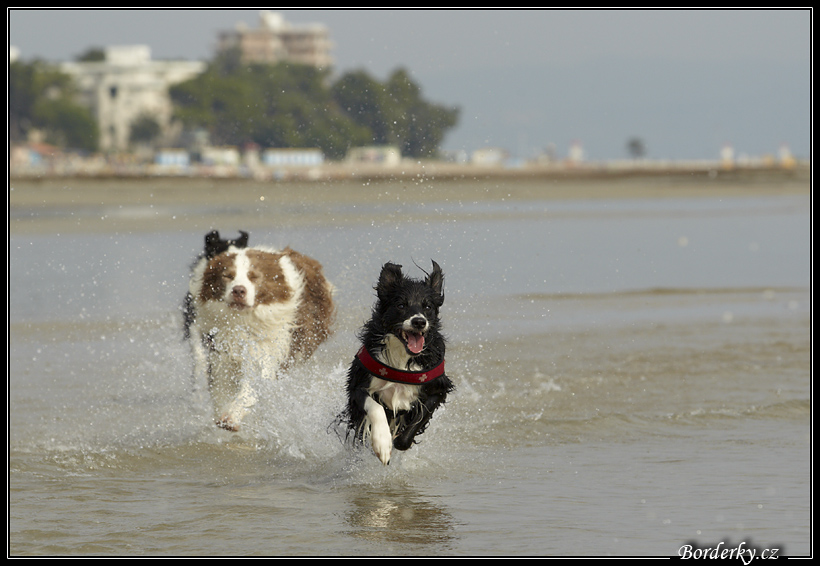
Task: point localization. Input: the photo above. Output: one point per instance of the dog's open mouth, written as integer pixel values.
(412, 341)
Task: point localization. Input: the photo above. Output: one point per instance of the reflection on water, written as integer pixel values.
(392, 516)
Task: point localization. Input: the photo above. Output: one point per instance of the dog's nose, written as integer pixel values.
(418, 323)
(239, 292)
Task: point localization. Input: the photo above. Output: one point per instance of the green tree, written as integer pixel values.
(635, 147)
(22, 95)
(279, 105)
(395, 112)
(42, 98)
(289, 105)
(145, 129)
(66, 124)
(420, 126)
(92, 54)
(366, 102)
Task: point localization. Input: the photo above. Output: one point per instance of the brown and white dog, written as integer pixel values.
(251, 312)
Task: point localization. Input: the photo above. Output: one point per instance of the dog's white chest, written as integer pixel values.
(395, 396)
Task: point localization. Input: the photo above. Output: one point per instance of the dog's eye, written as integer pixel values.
(253, 275)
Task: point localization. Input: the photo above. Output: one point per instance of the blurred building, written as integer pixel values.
(727, 156)
(490, 156)
(224, 155)
(292, 157)
(388, 155)
(786, 158)
(576, 152)
(276, 40)
(127, 85)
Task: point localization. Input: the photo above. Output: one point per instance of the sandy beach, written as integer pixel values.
(98, 204)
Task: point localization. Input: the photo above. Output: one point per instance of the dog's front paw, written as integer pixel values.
(382, 443)
(227, 422)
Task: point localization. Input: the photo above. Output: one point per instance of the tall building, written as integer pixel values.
(126, 86)
(276, 40)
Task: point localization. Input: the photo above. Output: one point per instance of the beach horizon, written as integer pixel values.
(75, 203)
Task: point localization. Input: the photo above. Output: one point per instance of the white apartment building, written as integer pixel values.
(126, 86)
(276, 40)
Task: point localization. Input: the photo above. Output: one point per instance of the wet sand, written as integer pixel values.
(98, 205)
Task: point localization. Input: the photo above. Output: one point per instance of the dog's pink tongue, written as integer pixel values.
(415, 342)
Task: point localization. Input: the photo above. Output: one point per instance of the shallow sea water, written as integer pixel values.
(632, 376)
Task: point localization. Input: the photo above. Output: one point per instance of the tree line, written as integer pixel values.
(281, 106)
(44, 99)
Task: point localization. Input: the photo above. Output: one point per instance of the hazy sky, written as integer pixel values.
(685, 82)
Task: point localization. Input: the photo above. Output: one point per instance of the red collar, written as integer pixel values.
(392, 374)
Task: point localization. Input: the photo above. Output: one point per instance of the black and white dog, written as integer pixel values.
(249, 313)
(397, 380)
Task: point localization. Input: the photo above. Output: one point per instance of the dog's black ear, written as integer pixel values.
(212, 243)
(436, 281)
(388, 278)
